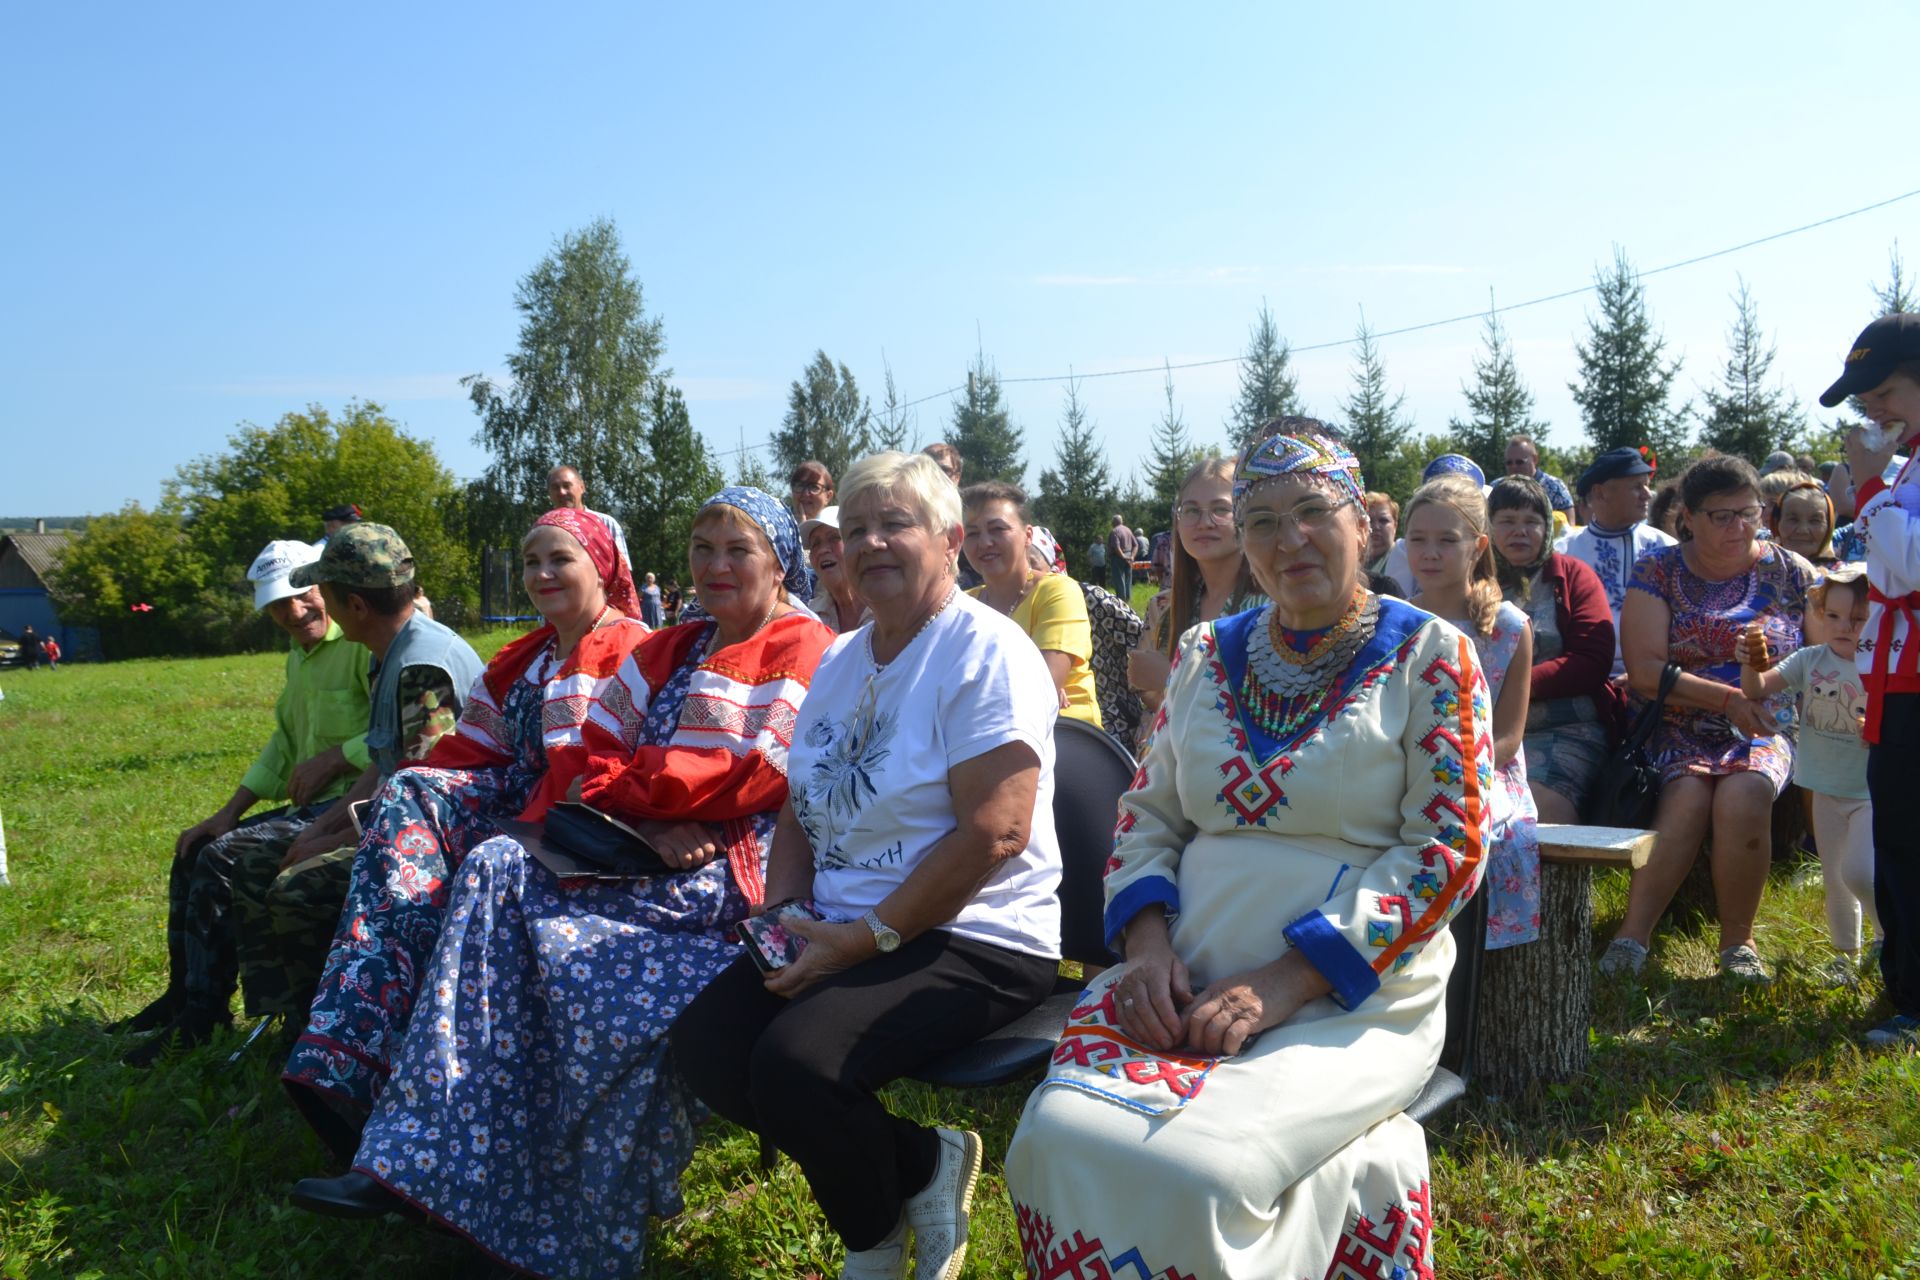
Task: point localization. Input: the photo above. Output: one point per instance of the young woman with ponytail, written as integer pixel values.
(1450, 557)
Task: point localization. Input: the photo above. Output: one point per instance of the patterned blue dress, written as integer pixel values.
(423, 823)
(532, 1106)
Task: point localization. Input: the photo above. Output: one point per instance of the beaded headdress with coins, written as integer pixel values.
(1297, 446)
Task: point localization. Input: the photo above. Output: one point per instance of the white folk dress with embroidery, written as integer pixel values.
(1354, 840)
(871, 751)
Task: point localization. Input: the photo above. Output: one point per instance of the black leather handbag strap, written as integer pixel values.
(1649, 717)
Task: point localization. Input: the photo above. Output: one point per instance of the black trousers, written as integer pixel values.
(1893, 770)
(803, 1072)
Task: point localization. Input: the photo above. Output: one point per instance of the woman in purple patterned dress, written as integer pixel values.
(1723, 757)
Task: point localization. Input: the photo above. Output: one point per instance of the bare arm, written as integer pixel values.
(1510, 711)
(993, 798)
(1644, 620)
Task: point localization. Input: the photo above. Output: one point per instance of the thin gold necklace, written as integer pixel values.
(713, 641)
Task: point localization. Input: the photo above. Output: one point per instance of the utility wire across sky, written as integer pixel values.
(1391, 333)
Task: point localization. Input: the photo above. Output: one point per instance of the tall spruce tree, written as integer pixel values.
(1896, 295)
(1499, 404)
(1076, 493)
(1376, 425)
(988, 442)
(1624, 385)
(1171, 455)
(826, 419)
(893, 425)
(681, 474)
(750, 468)
(1744, 416)
(1267, 385)
(581, 381)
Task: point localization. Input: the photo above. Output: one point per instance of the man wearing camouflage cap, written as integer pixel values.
(420, 673)
(317, 746)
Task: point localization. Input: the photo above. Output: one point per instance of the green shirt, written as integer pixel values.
(324, 704)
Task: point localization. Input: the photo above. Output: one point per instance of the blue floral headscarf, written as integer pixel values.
(1454, 464)
(782, 532)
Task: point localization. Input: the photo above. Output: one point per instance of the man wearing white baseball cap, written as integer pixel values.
(317, 747)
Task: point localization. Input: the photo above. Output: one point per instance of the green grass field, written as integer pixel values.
(1721, 1133)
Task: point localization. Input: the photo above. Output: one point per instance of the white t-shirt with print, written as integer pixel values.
(868, 770)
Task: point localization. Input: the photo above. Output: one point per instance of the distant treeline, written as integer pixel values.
(24, 524)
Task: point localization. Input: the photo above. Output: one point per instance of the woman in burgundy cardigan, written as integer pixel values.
(1571, 714)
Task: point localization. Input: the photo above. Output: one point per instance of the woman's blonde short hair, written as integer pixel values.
(912, 477)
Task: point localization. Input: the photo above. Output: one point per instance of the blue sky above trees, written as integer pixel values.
(225, 215)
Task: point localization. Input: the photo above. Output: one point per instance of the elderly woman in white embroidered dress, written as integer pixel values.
(1228, 1102)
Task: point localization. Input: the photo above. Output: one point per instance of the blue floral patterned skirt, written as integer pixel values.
(532, 1106)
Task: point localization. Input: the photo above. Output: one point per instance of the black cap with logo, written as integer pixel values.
(1881, 346)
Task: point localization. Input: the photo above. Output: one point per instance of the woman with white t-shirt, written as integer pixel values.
(919, 828)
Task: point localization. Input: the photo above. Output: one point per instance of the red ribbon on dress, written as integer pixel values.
(1882, 666)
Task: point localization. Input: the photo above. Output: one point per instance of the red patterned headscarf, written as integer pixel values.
(587, 530)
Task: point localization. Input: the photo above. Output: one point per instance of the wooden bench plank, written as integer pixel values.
(1572, 845)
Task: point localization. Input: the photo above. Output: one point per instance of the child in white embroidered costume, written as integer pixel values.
(1830, 759)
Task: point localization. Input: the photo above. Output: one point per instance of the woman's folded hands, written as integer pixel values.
(1157, 1007)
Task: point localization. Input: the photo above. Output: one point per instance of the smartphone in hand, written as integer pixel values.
(768, 940)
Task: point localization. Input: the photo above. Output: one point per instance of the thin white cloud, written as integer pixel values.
(386, 388)
(1386, 269)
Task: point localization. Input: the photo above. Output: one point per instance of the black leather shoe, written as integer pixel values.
(351, 1195)
(193, 1028)
(154, 1016)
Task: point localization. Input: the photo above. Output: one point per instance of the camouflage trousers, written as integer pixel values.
(201, 947)
(286, 923)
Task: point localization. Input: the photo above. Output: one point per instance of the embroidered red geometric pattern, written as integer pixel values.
(1251, 794)
(1400, 1246)
(478, 719)
(704, 712)
(1052, 1256)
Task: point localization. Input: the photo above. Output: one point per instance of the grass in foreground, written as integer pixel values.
(1719, 1134)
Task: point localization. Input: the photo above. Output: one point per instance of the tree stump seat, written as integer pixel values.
(1536, 999)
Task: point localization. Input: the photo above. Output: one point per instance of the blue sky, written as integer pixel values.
(219, 215)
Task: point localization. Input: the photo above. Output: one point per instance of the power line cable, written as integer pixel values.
(1412, 328)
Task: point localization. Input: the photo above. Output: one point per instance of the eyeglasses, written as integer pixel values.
(1727, 517)
(1315, 515)
(1190, 512)
(809, 488)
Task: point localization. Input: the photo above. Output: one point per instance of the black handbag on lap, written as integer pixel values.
(601, 846)
(1628, 786)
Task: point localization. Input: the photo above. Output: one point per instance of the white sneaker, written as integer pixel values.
(885, 1261)
(938, 1213)
(1622, 956)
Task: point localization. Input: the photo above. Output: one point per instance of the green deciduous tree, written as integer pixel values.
(217, 512)
(1376, 427)
(1267, 385)
(681, 473)
(1745, 416)
(135, 557)
(581, 381)
(982, 431)
(1076, 493)
(1624, 386)
(826, 419)
(1499, 404)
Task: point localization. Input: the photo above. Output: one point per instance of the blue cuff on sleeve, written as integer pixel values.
(1130, 901)
(1353, 979)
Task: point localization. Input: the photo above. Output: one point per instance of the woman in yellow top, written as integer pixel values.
(1048, 606)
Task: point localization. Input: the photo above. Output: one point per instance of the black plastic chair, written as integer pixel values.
(1448, 1083)
(1091, 771)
